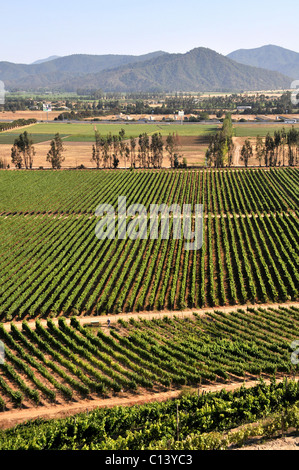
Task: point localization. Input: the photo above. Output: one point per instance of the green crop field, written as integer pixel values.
(206, 422)
(9, 138)
(70, 362)
(85, 132)
(56, 277)
(253, 130)
(52, 262)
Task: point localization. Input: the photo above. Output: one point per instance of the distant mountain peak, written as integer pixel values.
(271, 57)
(42, 61)
(266, 46)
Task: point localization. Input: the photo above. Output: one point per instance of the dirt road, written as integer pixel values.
(102, 320)
(10, 419)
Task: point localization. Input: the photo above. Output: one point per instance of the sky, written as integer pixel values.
(32, 29)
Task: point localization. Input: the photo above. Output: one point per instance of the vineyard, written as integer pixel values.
(65, 362)
(52, 263)
(57, 277)
(204, 422)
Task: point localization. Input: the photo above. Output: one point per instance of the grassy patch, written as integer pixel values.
(85, 132)
(252, 130)
(8, 139)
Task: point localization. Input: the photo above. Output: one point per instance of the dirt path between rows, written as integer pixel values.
(66, 215)
(102, 320)
(288, 442)
(237, 152)
(12, 418)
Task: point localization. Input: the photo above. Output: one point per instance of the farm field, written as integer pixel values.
(84, 132)
(214, 421)
(240, 290)
(262, 129)
(52, 263)
(79, 138)
(65, 362)
(149, 231)
(8, 138)
(79, 153)
(38, 115)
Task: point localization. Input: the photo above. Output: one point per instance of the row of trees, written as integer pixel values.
(6, 126)
(148, 151)
(145, 151)
(221, 148)
(23, 152)
(280, 150)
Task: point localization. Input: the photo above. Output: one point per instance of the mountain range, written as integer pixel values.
(269, 57)
(198, 70)
(52, 74)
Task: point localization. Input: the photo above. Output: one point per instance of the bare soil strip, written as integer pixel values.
(102, 320)
(289, 442)
(12, 418)
(65, 215)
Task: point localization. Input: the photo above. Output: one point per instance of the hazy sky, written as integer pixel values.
(32, 29)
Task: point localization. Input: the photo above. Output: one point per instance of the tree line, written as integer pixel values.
(23, 152)
(221, 148)
(143, 152)
(6, 126)
(146, 151)
(282, 149)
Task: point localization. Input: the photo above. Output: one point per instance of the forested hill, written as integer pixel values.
(270, 57)
(48, 73)
(198, 70)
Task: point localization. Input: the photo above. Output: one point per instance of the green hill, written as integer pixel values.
(269, 57)
(47, 74)
(198, 70)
